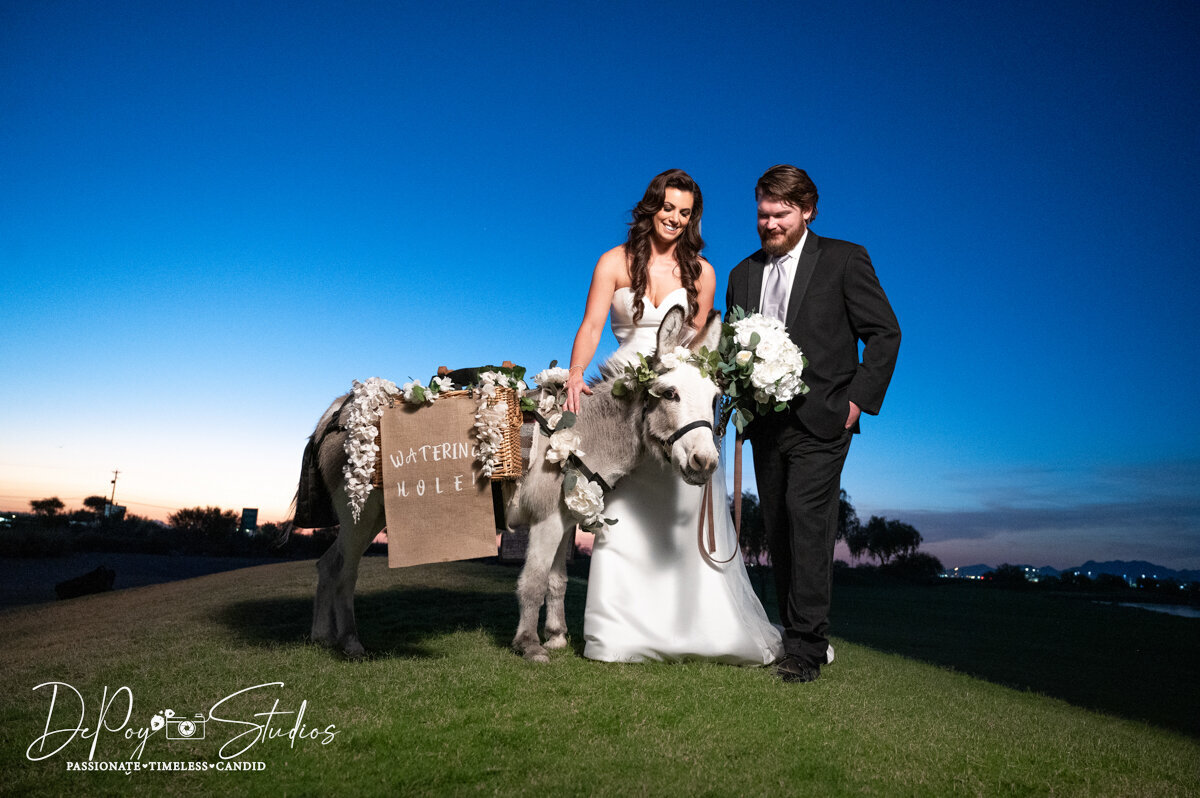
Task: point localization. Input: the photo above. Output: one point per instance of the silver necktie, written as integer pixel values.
(775, 290)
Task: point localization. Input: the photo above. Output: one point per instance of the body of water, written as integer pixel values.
(1170, 609)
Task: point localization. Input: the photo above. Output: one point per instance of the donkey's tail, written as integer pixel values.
(314, 505)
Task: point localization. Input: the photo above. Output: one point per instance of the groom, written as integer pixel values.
(826, 293)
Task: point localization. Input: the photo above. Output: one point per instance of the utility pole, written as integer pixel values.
(113, 500)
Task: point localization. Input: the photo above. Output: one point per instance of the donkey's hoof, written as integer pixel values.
(556, 641)
(537, 654)
(528, 646)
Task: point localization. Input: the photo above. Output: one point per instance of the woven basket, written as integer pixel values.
(508, 466)
(509, 458)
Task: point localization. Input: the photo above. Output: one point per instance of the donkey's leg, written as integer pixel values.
(329, 570)
(353, 540)
(544, 537)
(556, 614)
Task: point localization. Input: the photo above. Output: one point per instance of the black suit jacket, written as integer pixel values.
(836, 301)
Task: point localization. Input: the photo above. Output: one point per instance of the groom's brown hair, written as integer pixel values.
(786, 183)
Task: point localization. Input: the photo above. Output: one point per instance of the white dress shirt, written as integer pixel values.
(790, 259)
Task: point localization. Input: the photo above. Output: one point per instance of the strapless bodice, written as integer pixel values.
(640, 336)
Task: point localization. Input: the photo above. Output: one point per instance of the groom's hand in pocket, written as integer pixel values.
(852, 418)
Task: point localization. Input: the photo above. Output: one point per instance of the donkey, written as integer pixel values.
(673, 421)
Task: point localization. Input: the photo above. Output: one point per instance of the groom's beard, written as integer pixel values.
(780, 243)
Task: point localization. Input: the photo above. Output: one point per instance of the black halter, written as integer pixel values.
(685, 429)
(573, 459)
(592, 475)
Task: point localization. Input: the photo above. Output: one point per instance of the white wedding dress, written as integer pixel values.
(651, 594)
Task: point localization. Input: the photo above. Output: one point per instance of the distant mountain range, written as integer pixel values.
(1127, 569)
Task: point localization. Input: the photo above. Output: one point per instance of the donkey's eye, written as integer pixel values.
(669, 393)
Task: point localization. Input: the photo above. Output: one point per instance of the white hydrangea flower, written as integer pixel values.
(443, 384)
(586, 501)
(554, 376)
(563, 443)
(409, 389)
(769, 347)
(676, 357)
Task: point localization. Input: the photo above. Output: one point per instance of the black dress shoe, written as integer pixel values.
(794, 669)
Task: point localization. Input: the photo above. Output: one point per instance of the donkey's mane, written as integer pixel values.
(610, 369)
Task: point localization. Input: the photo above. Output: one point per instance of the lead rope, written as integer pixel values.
(708, 548)
(737, 486)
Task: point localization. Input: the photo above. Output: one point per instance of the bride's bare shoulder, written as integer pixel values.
(612, 266)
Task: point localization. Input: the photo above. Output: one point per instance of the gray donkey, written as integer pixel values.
(671, 420)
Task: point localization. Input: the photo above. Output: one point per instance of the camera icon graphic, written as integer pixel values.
(179, 728)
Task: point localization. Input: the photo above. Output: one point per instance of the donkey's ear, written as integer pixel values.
(670, 331)
(710, 334)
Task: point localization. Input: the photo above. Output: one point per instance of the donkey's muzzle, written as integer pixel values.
(699, 467)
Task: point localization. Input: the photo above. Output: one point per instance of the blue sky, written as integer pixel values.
(215, 215)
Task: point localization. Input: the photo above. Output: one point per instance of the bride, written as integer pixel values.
(652, 594)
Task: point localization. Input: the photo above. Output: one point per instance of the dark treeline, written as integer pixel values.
(892, 544)
(1105, 586)
(51, 532)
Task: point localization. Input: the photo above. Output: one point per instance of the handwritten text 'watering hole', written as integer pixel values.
(451, 453)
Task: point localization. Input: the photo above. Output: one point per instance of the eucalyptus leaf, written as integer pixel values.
(567, 421)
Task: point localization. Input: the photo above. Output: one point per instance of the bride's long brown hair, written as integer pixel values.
(687, 248)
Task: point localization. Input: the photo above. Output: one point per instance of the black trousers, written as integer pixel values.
(799, 478)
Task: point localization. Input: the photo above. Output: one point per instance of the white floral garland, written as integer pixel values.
(368, 401)
(490, 421)
(489, 431)
(584, 498)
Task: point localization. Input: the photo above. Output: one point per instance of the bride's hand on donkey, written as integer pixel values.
(575, 387)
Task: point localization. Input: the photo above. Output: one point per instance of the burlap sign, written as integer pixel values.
(438, 506)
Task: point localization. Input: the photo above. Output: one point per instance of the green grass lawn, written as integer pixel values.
(443, 708)
(1131, 662)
